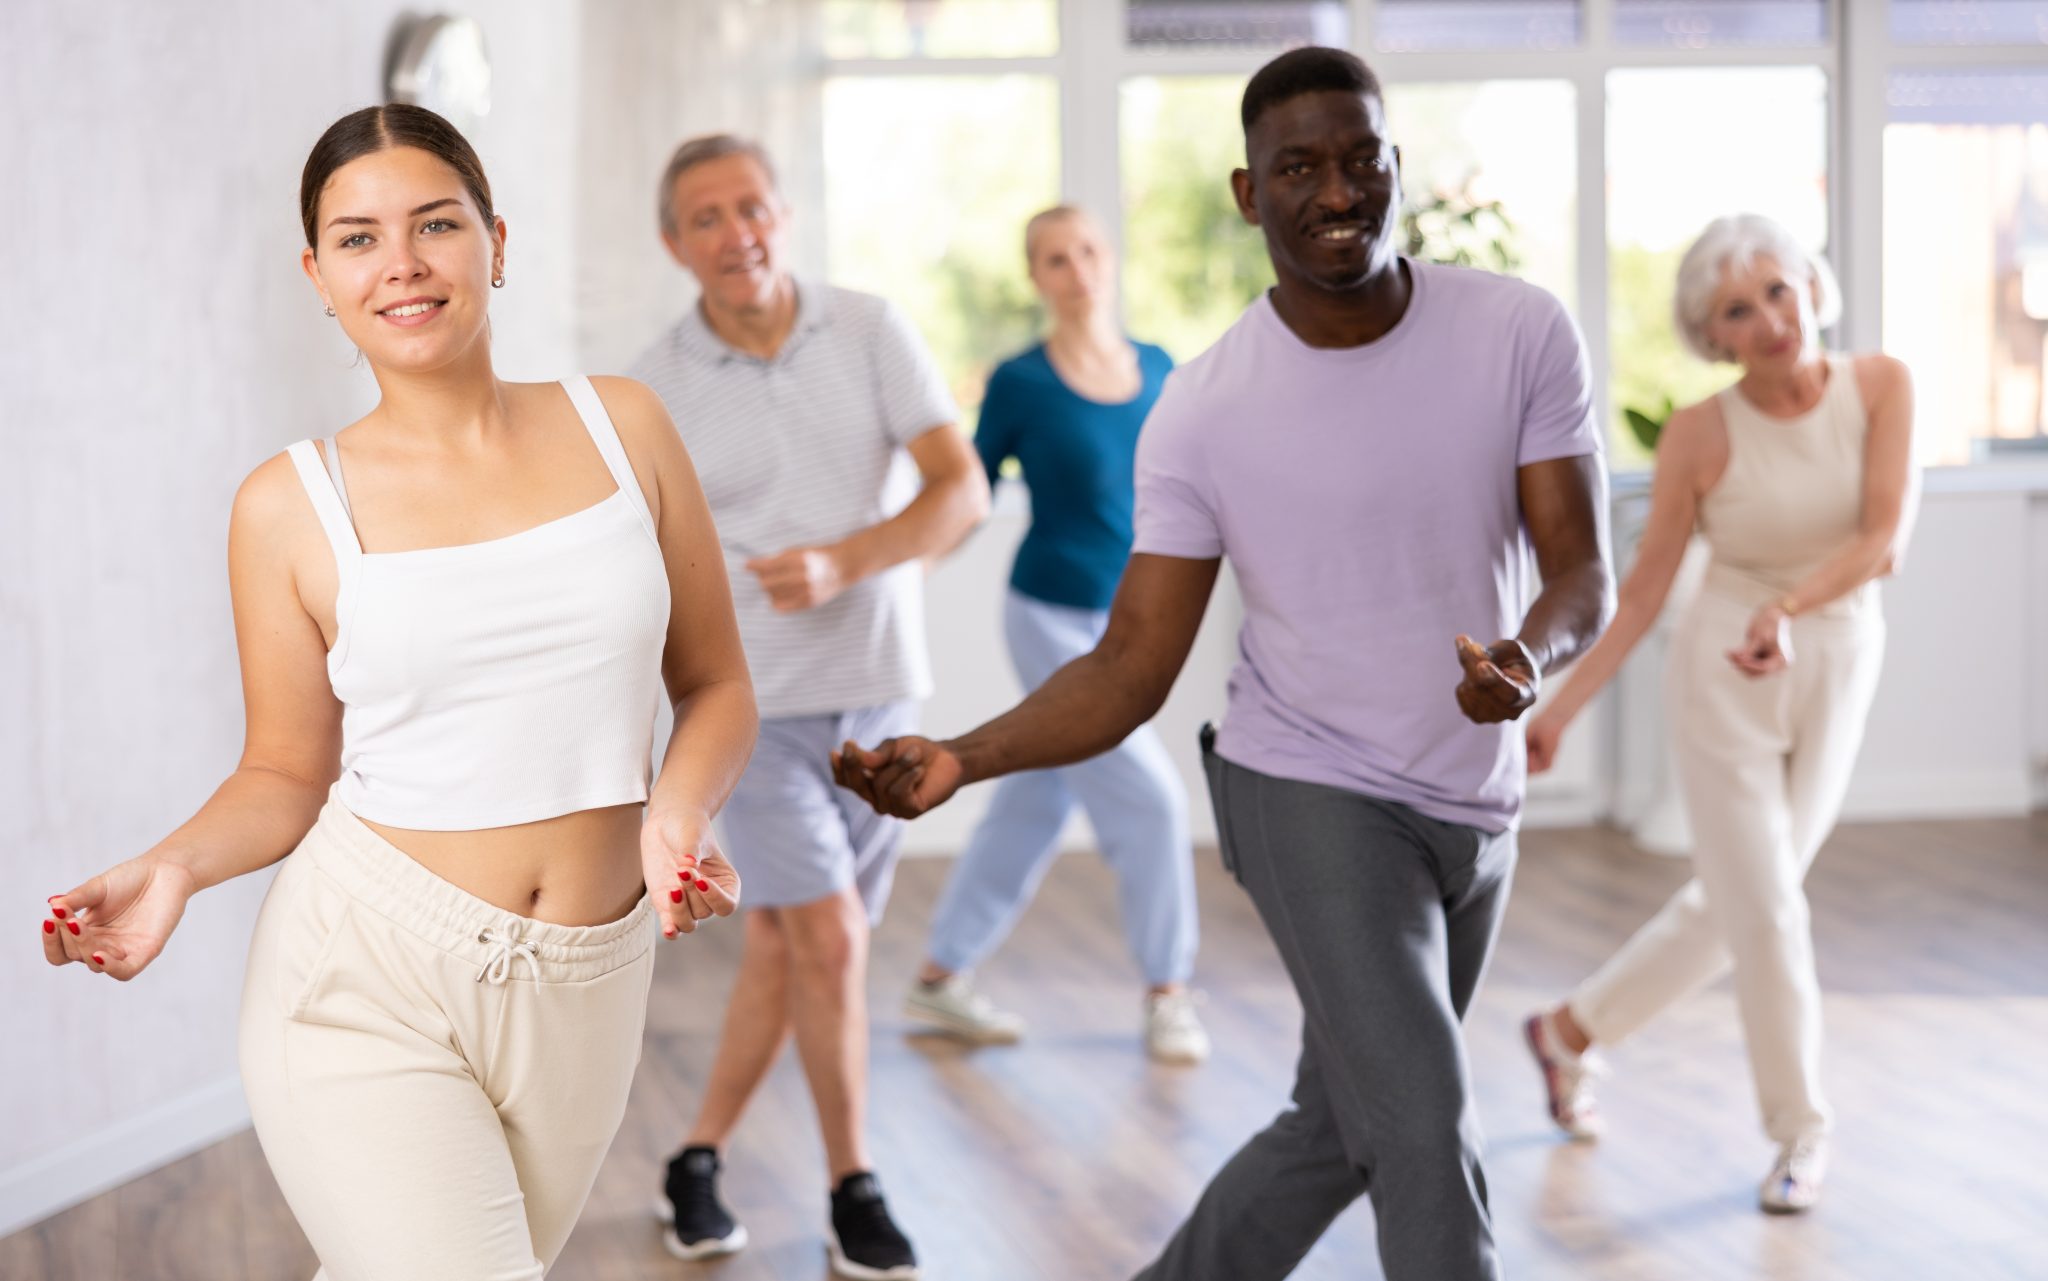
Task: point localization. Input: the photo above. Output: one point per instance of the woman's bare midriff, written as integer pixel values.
(575, 869)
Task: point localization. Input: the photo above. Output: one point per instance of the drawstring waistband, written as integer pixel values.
(499, 967)
(383, 879)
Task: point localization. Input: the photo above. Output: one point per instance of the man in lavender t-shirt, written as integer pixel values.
(1376, 445)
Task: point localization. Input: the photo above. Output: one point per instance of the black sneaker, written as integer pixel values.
(698, 1226)
(866, 1243)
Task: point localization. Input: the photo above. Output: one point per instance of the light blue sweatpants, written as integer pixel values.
(1134, 800)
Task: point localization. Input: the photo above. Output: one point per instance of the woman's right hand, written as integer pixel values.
(1766, 643)
(1544, 734)
(118, 921)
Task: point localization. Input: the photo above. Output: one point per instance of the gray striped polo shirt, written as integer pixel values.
(801, 450)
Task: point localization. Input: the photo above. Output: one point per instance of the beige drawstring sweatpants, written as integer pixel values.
(1764, 762)
(434, 1080)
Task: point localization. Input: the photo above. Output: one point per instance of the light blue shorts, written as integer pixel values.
(794, 835)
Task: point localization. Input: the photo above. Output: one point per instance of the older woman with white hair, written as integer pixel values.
(1800, 478)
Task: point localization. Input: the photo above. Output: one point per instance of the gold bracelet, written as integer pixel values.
(1788, 607)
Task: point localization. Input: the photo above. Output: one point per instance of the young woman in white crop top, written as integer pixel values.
(1800, 479)
(457, 620)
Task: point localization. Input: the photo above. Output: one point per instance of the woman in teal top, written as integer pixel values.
(1069, 411)
(1076, 453)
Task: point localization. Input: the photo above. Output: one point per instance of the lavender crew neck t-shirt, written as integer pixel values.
(1366, 498)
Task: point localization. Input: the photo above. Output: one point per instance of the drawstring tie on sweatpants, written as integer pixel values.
(499, 967)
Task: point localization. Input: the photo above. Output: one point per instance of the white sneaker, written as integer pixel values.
(1793, 1185)
(1173, 1031)
(953, 1006)
(1567, 1079)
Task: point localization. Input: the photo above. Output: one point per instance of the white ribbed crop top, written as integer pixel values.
(498, 682)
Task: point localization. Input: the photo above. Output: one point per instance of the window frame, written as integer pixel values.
(1093, 60)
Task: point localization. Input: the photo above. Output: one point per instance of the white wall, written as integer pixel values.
(1950, 732)
(157, 342)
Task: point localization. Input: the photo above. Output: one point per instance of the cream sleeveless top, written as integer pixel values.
(498, 682)
(1791, 497)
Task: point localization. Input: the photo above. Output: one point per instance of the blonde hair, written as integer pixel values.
(1737, 240)
(1045, 218)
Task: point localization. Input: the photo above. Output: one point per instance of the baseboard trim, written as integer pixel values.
(94, 1163)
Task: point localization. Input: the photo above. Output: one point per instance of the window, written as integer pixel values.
(1506, 143)
(940, 28)
(929, 181)
(1683, 148)
(1701, 24)
(1191, 263)
(1476, 24)
(1235, 24)
(944, 131)
(1967, 22)
(1966, 256)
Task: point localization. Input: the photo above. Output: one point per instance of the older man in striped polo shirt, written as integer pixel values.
(812, 414)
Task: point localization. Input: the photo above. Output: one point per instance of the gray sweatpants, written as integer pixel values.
(1384, 919)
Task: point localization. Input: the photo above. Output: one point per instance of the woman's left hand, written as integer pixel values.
(688, 877)
(1767, 645)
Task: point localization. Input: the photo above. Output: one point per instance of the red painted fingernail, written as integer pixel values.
(703, 885)
(682, 876)
(56, 911)
(49, 927)
(72, 926)
(675, 896)
(669, 933)
(97, 959)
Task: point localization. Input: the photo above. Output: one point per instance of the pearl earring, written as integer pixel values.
(497, 282)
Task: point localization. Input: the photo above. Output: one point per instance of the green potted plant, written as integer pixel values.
(1646, 427)
(1455, 227)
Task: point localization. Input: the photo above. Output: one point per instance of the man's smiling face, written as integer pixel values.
(1323, 183)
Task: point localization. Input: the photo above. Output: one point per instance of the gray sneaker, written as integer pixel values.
(953, 1006)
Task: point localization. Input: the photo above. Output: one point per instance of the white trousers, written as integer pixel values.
(435, 1081)
(1764, 763)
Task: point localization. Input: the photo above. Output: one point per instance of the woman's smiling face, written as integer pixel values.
(405, 258)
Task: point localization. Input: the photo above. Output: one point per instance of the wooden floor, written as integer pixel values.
(1071, 1157)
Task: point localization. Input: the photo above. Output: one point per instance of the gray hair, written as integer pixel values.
(700, 150)
(1737, 240)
